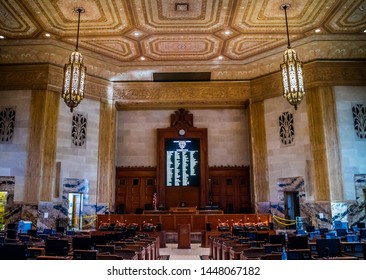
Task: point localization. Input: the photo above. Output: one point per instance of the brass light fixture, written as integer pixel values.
(291, 69)
(74, 74)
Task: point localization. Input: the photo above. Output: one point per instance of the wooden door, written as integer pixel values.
(230, 188)
(135, 189)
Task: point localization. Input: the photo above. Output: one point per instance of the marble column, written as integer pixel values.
(325, 150)
(106, 153)
(41, 164)
(258, 146)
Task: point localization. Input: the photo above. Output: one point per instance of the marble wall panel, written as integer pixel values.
(30, 213)
(356, 213)
(322, 214)
(339, 211)
(74, 185)
(13, 214)
(7, 184)
(50, 213)
(360, 185)
(291, 184)
(318, 214)
(263, 207)
(90, 213)
(89, 217)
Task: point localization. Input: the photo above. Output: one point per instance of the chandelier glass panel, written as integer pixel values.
(292, 74)
(74, 75)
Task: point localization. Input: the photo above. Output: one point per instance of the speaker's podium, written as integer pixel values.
(184, 236)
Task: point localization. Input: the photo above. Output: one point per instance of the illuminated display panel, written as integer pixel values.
(182, 157)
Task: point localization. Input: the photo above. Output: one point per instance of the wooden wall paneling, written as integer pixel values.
(250, 218)
(181, 219)
(175, 195)
(264, 218)
(215, 189)
(168, 222)
(153, 218)
(135, 193)
(138, 189)
(121, 195)
(198, 222)
(230, 187)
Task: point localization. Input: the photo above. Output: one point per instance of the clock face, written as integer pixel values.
(182, 132)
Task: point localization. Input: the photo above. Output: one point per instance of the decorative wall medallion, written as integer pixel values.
(359, 120)
(78, 131)
(7, 123)
(287, 131)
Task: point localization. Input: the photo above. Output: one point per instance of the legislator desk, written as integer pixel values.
(170, 221)
(354, 249)
(190, 210)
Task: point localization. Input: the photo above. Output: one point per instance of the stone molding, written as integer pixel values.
(145, 95)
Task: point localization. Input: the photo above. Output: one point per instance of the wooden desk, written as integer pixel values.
(299, 254)
(210, 212)
(155, 212)
(183, 209)
(170, 221)
(235, 251)
(273, 248)
(34, 252)
(45, 257)
(130, 250)
(353, 249)
(251, 253)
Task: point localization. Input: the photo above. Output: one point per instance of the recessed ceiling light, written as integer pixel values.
(47, 35)
(221, 57)
(318, 30)
(2, 37)
(142, 58)
(364, 31)
(136, 33)
(227, 32)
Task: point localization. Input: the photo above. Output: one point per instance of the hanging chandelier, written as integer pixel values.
(291, 69)
(74, 74)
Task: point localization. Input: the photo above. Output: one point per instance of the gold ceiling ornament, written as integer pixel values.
(291, 69)
(74, 74)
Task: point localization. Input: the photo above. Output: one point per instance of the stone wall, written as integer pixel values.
(228, 135)
(13, 155)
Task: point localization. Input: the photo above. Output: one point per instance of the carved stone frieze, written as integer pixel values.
(24, 78)
(47, 76)
(317, 73)
(178, 93)
(335, 73)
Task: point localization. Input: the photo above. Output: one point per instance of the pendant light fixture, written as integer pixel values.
(74, 74)
(291, 69)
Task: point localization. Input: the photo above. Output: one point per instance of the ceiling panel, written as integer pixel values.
(245, 37)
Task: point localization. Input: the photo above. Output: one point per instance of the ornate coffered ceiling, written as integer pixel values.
(128, 40)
